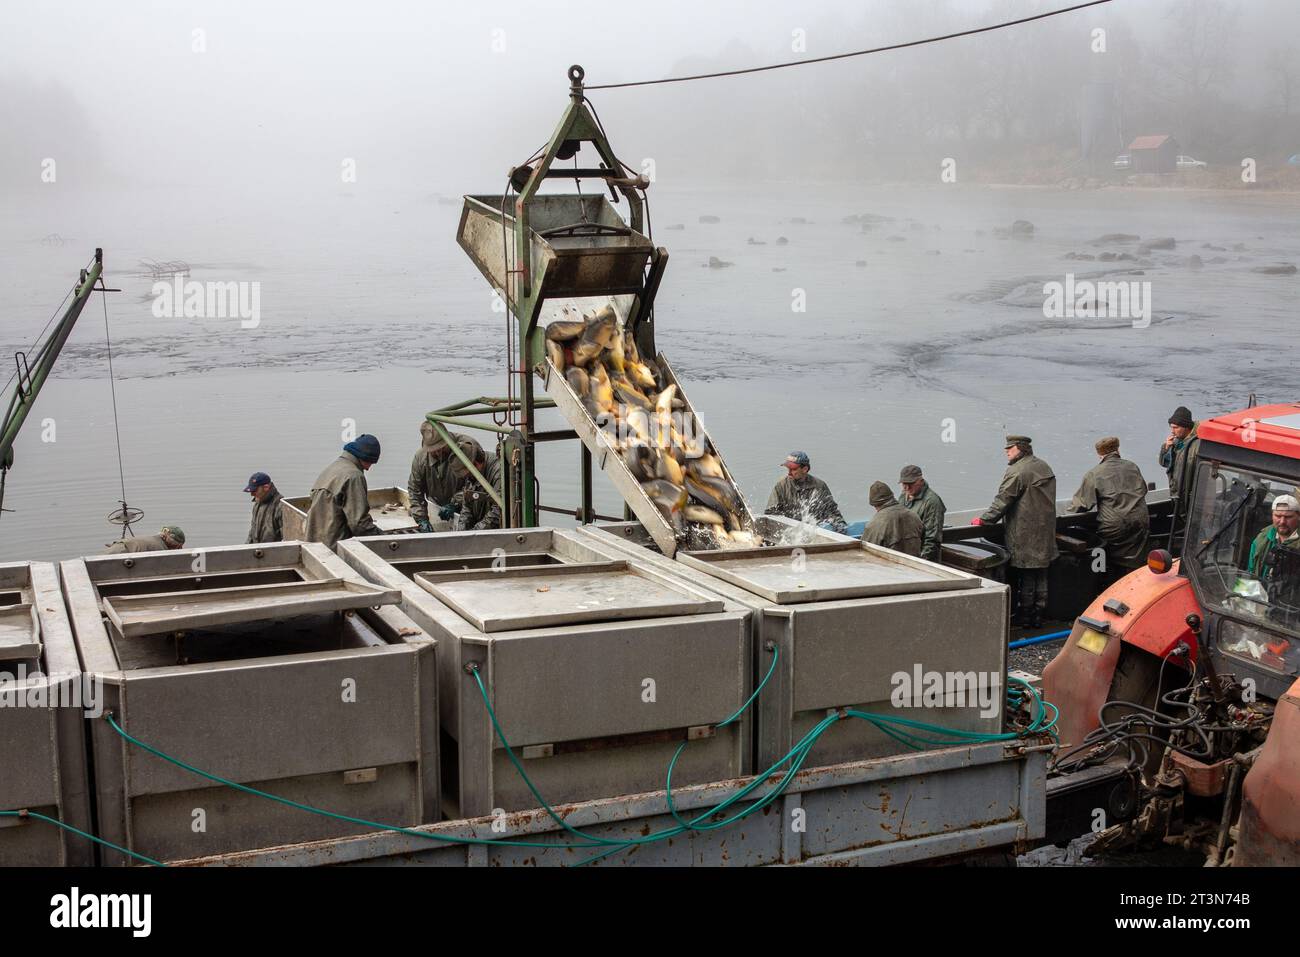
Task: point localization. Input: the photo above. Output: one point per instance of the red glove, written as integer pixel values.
(976, 521)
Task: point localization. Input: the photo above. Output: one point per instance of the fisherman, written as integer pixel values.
(436, 475)
(170, 537)
(926, 505)
(1282, 535)
(804, 497)
(1177, 457)
(894, 525)
(1116, 489)
(340, 498)
(1027, 500)
(266, 524)
(478, 510)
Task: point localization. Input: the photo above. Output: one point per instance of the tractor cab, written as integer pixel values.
(1246, 582)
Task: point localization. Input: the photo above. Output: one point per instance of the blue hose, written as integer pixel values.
(1039, 639)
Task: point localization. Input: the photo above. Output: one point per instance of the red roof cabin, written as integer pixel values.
(1157, 153)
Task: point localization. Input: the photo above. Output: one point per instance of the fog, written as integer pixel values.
(255, 98)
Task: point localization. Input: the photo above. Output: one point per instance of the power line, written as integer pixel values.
(845, 56)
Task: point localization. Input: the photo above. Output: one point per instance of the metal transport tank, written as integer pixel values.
(856, 626)
(598, 665)
(42, 747)
(275, 666)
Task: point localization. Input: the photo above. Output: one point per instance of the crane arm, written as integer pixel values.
(34, 370)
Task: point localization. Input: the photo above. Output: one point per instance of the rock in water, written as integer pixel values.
(710, 220)
(1276, 269)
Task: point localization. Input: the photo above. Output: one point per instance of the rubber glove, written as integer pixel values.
(447, 511)
(976, 521)
(425, 526)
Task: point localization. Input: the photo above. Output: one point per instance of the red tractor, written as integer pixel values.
(1184, 673)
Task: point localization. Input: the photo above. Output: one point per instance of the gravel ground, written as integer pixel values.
(1034, 658)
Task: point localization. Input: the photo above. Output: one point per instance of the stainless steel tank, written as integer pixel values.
(856, 626)
(274, 666)
(598, 665)
(42, 700)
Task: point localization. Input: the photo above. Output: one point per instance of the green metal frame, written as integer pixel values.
(523, 303)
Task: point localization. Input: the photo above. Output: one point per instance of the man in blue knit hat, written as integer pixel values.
(340, 498)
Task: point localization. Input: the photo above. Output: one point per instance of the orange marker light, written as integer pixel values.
(1160, 561)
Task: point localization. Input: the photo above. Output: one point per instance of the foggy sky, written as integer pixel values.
(416, 94)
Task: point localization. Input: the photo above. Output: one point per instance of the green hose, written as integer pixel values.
(90, 837)
(795, 758)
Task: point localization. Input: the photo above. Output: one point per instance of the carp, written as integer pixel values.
(562, 330)
(638, 462)
(664, 403)
(578, 381)
(628, 393)
(602, 393)
(640, 374)
(670, 499)
(585, 351)
(700, 513)
(666, 467)
(706, 465)
(638, 424)
(555, 352)
(616, 357)
(713, 492)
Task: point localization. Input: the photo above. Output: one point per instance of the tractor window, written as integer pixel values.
(1239, 569)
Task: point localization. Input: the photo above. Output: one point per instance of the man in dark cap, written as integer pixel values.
(803, 497)
(893, 526)
(1177, 457)
(340, 498)
(436, 475)
(168, 538)
(266, 523)
(1116, 489)
(1026, 499)
(922, 501)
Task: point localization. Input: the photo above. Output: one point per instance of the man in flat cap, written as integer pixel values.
(1177, 458)
(804, 497)
(266, 523)
(923, 502)
(1116, 489)
(1026, 501)
(893, 525)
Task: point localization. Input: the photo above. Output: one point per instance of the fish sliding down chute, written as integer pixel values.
(632, 414)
